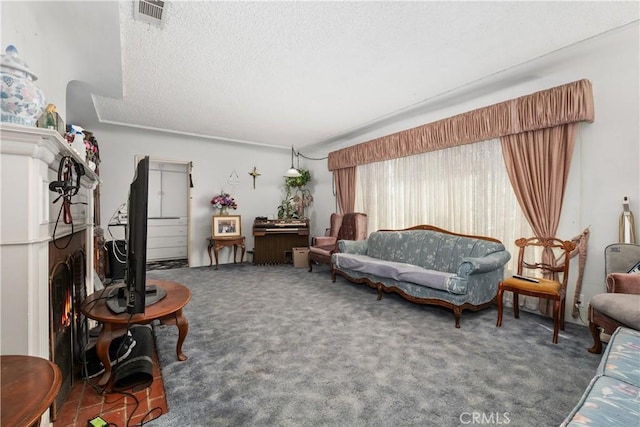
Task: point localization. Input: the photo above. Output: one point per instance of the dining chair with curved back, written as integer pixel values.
(540, 278)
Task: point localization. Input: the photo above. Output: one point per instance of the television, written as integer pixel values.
(134, 296)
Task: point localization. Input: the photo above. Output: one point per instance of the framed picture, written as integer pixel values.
(226, 226)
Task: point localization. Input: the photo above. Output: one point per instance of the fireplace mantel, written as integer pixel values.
(29, 159)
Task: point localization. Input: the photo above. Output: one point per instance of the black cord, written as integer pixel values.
(149, 412)
(311, 158)
(98, 298)
(66, 199)
(117, 254)
(55, 227)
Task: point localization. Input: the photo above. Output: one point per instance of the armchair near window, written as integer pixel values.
(620, 306)
(350, 226)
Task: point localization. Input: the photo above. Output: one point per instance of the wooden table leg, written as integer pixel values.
(235, 252)
(210, 259)
(242, 254)
(215, 253)
(182, 323)
(107, 335)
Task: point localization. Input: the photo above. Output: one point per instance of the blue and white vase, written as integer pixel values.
(22, 101)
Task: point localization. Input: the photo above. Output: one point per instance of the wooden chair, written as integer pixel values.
(350, 226)
(528, 281)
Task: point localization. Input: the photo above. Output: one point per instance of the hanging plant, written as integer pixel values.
(300, 181)
(294, 203)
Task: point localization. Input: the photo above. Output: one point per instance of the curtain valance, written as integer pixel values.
(568, 103)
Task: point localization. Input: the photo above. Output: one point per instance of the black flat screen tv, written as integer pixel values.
(136, 268)
(134, 296)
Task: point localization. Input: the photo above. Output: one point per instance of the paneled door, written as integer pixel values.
(168, 211)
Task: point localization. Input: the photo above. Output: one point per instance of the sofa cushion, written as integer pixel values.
(398, 271)
(622, 307)
(428, 249)
(612, 397)
(606, 402)
(621, 358)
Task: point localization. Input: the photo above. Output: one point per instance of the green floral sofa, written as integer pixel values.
(613, 395)
(426, 265)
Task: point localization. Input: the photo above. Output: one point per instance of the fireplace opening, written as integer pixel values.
(60, 326)
(80, 329)
(68, 327)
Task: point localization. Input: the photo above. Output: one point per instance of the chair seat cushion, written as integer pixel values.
(543, 286)
(326, 250)
(625, 308)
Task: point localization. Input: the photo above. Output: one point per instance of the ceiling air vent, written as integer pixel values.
(151, 11)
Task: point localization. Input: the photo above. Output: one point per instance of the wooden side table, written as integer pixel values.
(29, 385)
(220, 242)
(168, 310)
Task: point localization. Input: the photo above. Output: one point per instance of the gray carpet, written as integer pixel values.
(278, 346)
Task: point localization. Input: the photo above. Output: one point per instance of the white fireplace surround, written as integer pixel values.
(29, 159)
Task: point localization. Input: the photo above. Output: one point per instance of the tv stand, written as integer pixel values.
(168, 311)
(117, 301)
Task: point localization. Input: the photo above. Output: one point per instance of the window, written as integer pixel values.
(464, 189)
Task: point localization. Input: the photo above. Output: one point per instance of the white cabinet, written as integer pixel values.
(167, 211)
(166, 238)
(167, 190)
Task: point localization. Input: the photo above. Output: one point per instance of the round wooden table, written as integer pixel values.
(168, 310)
(29, 386)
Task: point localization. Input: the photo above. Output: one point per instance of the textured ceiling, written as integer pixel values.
(305, 73)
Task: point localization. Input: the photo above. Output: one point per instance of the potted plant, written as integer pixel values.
(224, 201)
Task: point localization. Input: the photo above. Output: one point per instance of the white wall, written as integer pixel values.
(605, 166)
(65, 41)
(213, 164)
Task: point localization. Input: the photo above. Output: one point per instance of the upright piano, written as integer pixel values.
(275, 239)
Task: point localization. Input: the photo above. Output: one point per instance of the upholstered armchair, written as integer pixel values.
(350, 226)
(620, 306)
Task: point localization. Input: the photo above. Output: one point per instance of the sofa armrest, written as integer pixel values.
(323, 241)
(491, 262)
(353, 246)
(623, 283)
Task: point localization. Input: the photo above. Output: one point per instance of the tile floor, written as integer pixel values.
(84, 403)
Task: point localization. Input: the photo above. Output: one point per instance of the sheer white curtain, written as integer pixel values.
(464, 189)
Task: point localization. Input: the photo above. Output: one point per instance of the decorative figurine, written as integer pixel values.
(50, 121)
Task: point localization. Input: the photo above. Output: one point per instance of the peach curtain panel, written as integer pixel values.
(345, 182)
(538, 165)
(569, 103)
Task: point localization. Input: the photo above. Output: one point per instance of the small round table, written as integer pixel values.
(168, 310)
(220, 242)
(29, 386)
